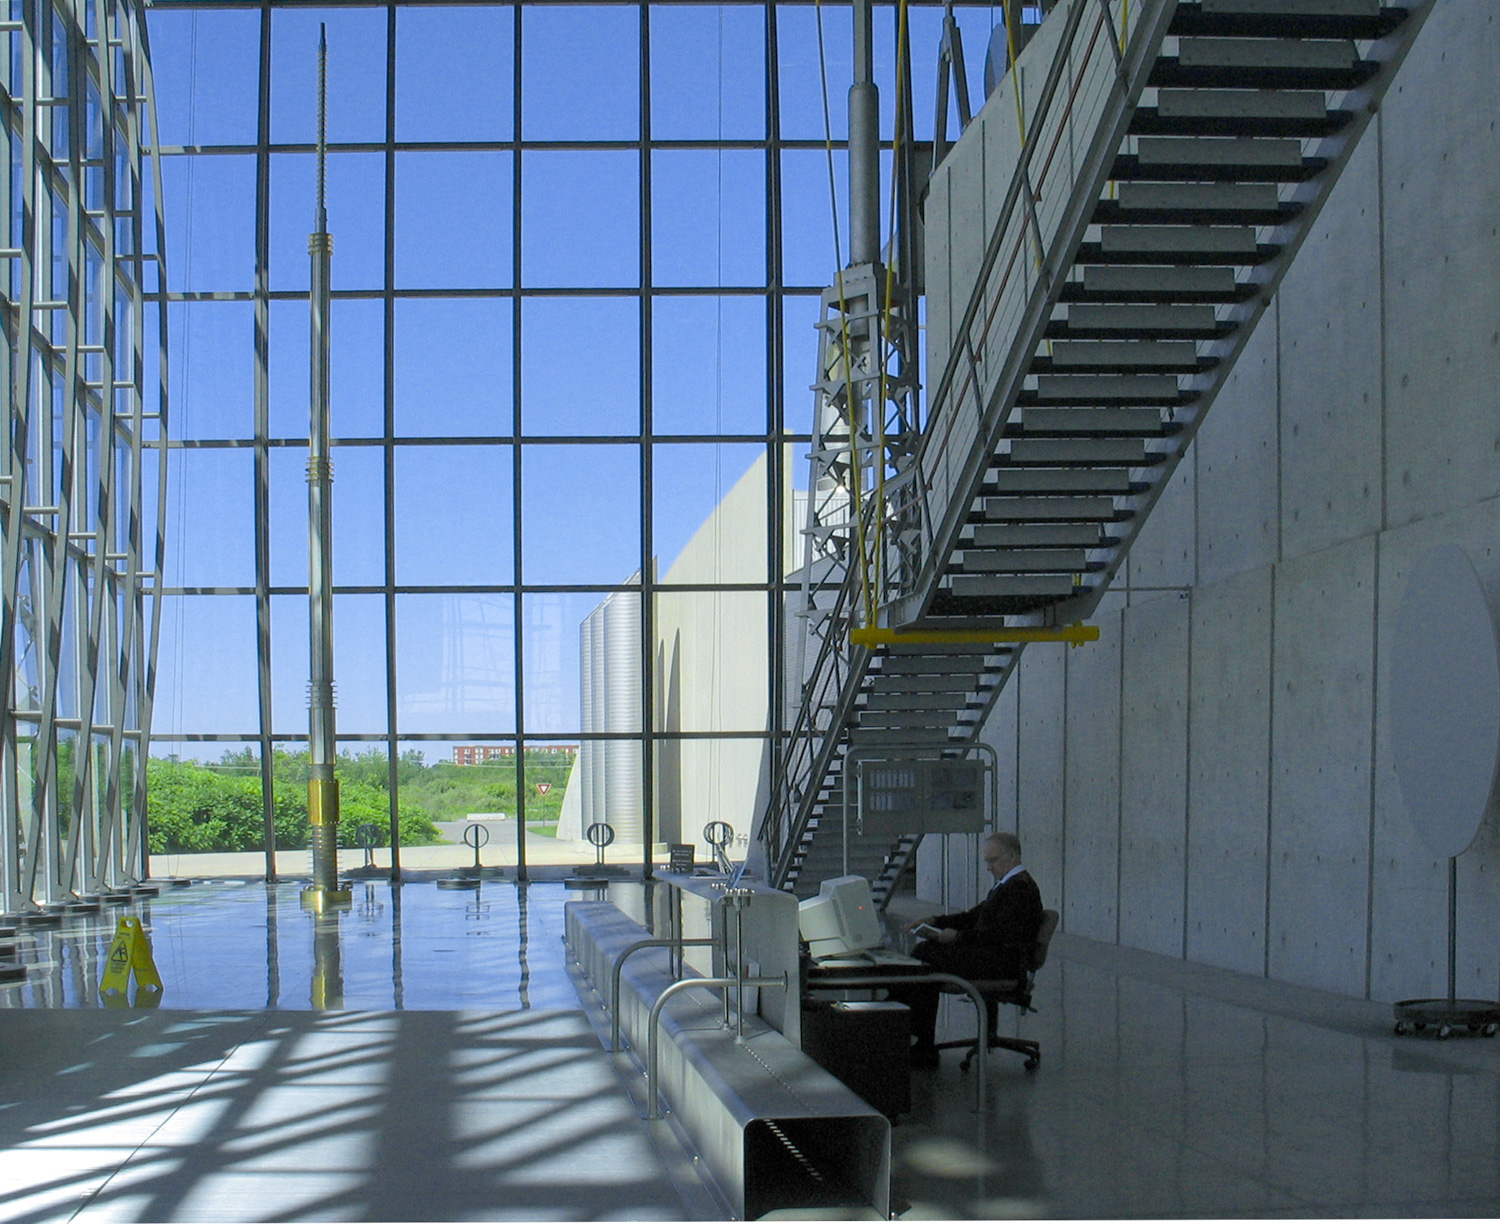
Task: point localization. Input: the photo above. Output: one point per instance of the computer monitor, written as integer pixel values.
(841, 919)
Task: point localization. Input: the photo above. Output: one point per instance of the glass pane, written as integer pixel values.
(290, 632)
(453, 73)
(213, 369)
(580, 75)
(799, 339)
(210, 518)
(551, 625)
(708, 217)
(356, 369)
(286, 522)
(358, 515)
(708, 367)
(729, 778)
(708, 69)
(807, 229)
(801, 79)
(580, 366)
(356, 74)
(358, 664)
(580, 219)
(709, 520)
(206, 678)
(453, 220)
(453, 367)
(581, 509)
(205, 66)
(455, 663)
(356, 219)
(712, 660)
(203, 799)
(209, 203)
(453, 515)
(800, 70)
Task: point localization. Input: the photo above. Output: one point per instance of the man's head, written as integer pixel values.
(1002, 851)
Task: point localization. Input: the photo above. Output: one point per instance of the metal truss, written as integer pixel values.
(82, 457)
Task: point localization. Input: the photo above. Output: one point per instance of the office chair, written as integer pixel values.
(1017, 992)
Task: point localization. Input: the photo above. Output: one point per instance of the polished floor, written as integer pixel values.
(455, 1072)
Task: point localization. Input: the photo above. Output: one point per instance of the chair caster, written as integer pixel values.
(1033, 1062)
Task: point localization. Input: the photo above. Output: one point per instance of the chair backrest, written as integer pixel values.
(1044, 933)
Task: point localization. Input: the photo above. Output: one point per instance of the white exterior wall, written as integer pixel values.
(1213, 779)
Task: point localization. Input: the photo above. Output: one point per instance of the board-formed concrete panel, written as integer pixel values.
(999, 732)
(1041, 781)
(1331, 465)
(1321, 731)
(1440, 134)
(1093, 750)
(1228, 786)
(1162, 554)
(1153, 773)
(1238, 516)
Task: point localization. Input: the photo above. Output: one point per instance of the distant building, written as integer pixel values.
(483, 754)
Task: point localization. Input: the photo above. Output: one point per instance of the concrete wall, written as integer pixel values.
(1213, 779)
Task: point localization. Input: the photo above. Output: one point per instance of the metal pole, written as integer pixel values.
(614, 981)
(864, 144)
(322, 786)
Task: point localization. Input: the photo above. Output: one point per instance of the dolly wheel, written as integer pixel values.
(1491, 1029)
(1444, 1032)
(1404, 1028)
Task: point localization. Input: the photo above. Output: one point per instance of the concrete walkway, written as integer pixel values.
(544, 853)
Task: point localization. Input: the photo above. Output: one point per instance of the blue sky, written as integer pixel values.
(452, 366)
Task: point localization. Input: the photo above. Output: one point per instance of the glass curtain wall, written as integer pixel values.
(578, 249)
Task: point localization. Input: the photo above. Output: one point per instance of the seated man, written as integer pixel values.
(990, 941)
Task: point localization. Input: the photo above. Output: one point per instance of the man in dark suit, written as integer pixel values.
(992, 940)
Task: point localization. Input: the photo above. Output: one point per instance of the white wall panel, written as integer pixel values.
(1153, 774)
(1093, 799)
(1228, 787)
(1322, 654)
(1409, 927)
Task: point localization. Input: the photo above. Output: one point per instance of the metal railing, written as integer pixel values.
(1046, 207)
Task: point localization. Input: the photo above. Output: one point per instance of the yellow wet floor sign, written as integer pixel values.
(130, 952)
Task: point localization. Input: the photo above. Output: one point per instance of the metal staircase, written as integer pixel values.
(1174, 157)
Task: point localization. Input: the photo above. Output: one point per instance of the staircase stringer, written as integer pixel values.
(998, 401)
(1362, 102)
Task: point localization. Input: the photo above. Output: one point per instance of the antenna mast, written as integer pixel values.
(322, 786)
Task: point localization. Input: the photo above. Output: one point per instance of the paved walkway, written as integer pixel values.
(498, 852)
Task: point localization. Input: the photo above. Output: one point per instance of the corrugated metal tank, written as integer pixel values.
(586, 722)
(622, 714)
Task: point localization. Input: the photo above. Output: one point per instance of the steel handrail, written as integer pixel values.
(653, 1022)
(614, 976)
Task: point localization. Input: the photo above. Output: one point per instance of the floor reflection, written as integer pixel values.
(252, 945)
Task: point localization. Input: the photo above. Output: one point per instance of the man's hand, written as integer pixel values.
(949, 935)
(912, 926)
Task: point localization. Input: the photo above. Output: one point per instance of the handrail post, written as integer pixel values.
(614, 979)
(653, 1022)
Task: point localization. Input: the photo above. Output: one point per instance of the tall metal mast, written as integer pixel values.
(322, 786)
